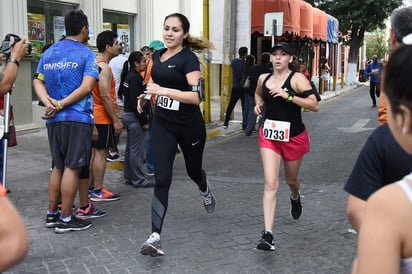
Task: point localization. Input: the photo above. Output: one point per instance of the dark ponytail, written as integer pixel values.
(123, 74)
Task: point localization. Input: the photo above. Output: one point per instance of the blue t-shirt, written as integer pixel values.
(374, 71)
(64, 65)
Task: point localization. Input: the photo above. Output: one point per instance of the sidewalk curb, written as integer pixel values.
(213, 133)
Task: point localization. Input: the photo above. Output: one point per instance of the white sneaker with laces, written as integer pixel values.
(152, 246)
(209, 200)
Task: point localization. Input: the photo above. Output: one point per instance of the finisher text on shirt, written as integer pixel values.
(61, 65)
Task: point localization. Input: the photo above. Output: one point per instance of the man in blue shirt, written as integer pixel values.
(64, 79)
(373, 70)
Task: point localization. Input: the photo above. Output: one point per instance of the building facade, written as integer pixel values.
(137, 22)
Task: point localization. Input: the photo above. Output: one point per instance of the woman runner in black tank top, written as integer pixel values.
(281, 96)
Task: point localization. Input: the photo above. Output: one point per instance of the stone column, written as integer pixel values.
(93, 10)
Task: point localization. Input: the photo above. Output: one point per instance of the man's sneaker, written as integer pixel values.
(103, 195)
(114, 157)
(152, 246)
(90, 212)
(209, 200)
(74, 224)
(267, 242)
(296, 210)
(52, 220)
(150, 173)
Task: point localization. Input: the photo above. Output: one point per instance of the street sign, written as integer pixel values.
(273, 24)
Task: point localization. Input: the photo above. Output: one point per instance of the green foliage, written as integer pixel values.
(377, 45)
(355, 17)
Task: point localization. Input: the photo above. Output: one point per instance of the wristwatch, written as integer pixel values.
(290, 98)
(13, 60)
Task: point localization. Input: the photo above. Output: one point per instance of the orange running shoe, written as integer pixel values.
(103, 195)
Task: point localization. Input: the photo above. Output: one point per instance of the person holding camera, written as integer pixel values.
(9, 74)
(14, 241)
(13, 49)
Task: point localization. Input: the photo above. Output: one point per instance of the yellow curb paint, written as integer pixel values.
(115, 165)
(213, 133)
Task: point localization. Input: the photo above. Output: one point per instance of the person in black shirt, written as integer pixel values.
(254, 72)
(385, 239)
(381, 161)
(386, 162)
(238, 92)
(135, 123)
(175, 80)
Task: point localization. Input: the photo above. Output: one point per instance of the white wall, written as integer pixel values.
(196, 17)
(125, 6)
(217, 27)
(162, 9)
(243, 23)
(193, 10)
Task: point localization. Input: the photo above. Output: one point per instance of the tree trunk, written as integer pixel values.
(356, 39)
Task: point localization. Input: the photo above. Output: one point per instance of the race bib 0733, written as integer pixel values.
(276, 130)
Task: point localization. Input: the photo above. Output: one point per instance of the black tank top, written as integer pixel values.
(281, 110)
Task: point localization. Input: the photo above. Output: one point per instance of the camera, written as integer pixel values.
(6, 46)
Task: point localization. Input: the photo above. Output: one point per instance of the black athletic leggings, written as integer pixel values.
(165, 138)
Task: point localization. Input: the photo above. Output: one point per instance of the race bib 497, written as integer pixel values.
(167, 103)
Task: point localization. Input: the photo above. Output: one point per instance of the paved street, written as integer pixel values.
(193, 240)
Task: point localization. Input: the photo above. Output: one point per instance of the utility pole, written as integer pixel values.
(229, 35)
(206, 69)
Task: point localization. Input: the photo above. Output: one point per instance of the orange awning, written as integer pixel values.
(320, 25)
(290, 9)
(306, 20)
(258, 13)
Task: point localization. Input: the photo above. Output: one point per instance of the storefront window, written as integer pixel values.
(45, 26)
(45, 22)
(123, 25)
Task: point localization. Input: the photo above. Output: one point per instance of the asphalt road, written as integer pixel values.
(193, 240)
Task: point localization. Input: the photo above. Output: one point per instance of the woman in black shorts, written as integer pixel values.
(282, 136)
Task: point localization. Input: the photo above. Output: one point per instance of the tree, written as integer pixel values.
(355, 17)
(377, 45)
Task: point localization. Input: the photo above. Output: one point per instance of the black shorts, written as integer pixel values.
(70, 144)
(106, 136)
